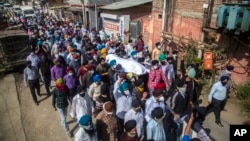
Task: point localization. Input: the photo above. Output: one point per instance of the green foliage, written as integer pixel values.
(243, 91)
(245, 104)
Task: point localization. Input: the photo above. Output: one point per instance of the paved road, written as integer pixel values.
(25, 121)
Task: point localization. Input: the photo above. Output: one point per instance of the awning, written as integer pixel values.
(124, 4)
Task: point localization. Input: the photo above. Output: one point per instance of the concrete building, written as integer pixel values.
(129, 18)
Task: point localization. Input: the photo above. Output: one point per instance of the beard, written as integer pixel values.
(90, 132)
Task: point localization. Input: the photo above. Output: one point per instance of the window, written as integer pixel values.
(160, 16)
(135, 29)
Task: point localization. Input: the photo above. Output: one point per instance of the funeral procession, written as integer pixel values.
(124, 70)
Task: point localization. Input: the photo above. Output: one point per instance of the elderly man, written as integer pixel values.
(106, 123)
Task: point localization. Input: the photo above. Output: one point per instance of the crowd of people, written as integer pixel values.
(126, 106)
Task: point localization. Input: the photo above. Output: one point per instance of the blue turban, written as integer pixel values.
(96, 78)
(133, 52)
(112, 63)
(39, 43)
(123, 86)
(100, 46)
(85, 120)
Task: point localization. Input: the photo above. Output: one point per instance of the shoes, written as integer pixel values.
(37, 103)
(219, 124)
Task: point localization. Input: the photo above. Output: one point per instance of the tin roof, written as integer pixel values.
(124, 4)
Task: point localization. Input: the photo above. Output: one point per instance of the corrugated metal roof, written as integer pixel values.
(124, 4)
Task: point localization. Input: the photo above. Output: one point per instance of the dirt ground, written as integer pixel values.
(22, 120)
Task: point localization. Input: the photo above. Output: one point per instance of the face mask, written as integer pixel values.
(174, 56)
(97, 83)
(32, 53)
(91, 72)
(156, 67)
(134, 56)
(133, 80)
(126, 92)
(88, 127)
(70, 73)
(147, 59)
(161, 99)
(82, 94)
(132, 135)
(182, 90)
(140, 89)
(56, 55)
(76, 60)
(95, 57)
(159, 47)
(228, 72)
(138, 110)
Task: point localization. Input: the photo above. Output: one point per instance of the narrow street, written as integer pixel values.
(24, 121)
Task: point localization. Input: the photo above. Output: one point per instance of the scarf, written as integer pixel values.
(60, 87)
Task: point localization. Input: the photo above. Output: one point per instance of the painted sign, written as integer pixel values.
(111, 26)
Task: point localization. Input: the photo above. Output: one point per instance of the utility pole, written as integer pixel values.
(96, 17)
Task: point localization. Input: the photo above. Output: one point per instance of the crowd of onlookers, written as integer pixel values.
(126, 106)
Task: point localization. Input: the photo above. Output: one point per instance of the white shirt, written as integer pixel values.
(151, 103)
(81, 135)
(138, 117)
(123, 105)
(34, 60)
(81, 106)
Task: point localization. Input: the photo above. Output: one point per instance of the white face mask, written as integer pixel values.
(174, 56)
(161, 99)
(182, 90)
(155, 67)
(133, 79)
(70, 73)
(132, 135)
(88, 127)
(126, 92)
(32, 53)
(56, 55)
(75, 59)
(147, 59)
(91, 72)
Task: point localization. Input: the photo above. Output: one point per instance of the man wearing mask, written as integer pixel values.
(155, 127)
(60, 103)
(86, 80)
(102, 70)
(139, 91)
(58, 70)
(81, 104)
(156, 100)
(156, 51)
(157, 79)
(34, 59)
(123, 104)
(95, 88)
(216, 98)
(87, 131)
(31, 80)
(137, 114)
(71, 82)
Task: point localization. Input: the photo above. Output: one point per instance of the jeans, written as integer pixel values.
(63, 114)
(46, 82)
(34, 84)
